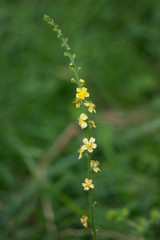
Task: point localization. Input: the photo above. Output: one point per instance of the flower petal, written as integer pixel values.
(92, 140)
(85, 140)
(89, 181)
(83, 125)
(84, 147)
(86, 104)
(94, 145)
(90, 149)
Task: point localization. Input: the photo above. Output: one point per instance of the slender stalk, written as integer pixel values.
(91, 201)
(91, 194)
(89, 155)
(77, 80)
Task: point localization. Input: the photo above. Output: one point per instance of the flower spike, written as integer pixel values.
(84, 120)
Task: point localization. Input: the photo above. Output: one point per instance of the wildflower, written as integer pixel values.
(92, 124)
(82, 81)
(84, 220)
(80, 152)
(89, 144)
(91, 106)
(88, 184)
(82, 93)
(94, 165)
(82, 119)
(77, 102)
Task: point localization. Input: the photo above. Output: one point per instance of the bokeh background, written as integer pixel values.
(118, 48)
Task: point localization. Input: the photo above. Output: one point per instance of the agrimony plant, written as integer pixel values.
(84, 121)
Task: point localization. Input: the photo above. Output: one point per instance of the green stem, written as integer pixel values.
(51, 22)
(89, 157)
(91, 193)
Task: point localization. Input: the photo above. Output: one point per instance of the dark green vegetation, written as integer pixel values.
(118, 48)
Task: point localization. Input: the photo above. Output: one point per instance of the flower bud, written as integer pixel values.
(65, 54)
(55, 29)
(59, 36)
(71, 65)
(73, 80)
(79, 69)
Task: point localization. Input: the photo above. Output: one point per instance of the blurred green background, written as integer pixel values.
(118, 48)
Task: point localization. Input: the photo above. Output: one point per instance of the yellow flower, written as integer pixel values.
(77, 102)
(84, 220)
(82, 119)
(92, 124)
(89, 144)
(80, 152)
(82, 93)
(82, 81)
(91, 106)
(88, 184)
(94, 165)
